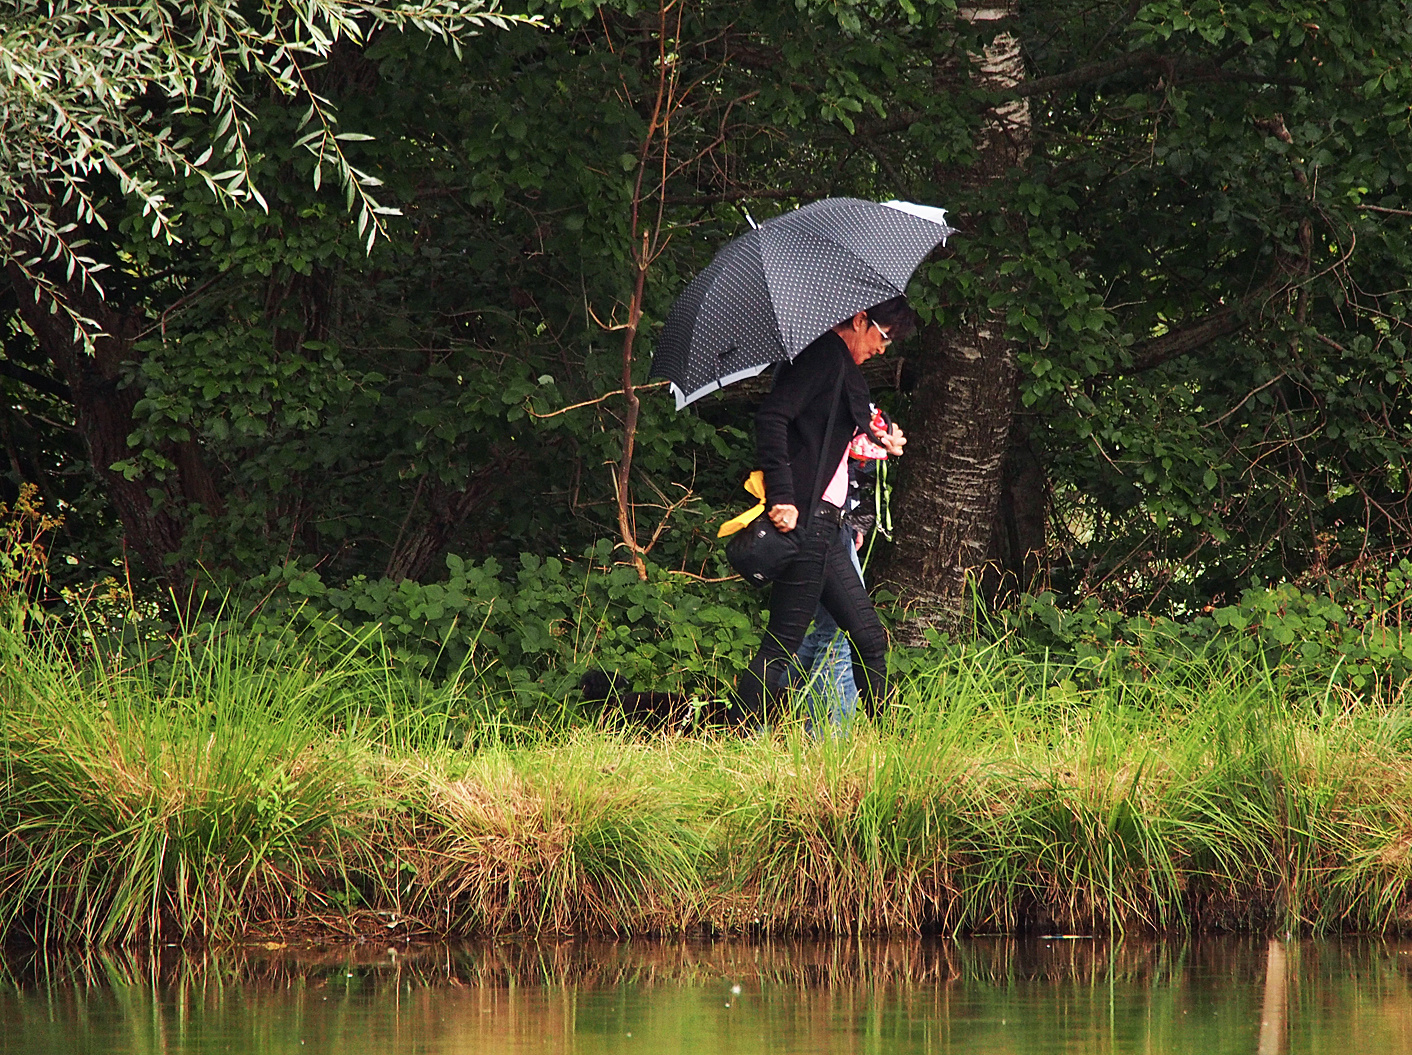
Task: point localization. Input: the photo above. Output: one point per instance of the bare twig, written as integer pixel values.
(703, 578)
(672, 507)
(658, 127)
(1244, 400)
(1390, 212)
(590, 402)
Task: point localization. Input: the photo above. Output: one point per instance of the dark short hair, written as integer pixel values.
(896, 316)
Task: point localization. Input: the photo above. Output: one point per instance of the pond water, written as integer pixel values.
(980, 995)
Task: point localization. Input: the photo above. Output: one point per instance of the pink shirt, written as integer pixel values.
(836, 493)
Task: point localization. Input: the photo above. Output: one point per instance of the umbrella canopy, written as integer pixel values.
(769, 293)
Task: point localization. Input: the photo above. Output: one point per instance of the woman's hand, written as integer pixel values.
(785, 518)
(892, 441)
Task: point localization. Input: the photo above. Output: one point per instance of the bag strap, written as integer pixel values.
(828, 431)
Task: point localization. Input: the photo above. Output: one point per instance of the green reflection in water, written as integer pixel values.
(975, 996)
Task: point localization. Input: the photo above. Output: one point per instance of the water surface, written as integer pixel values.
(934, 996)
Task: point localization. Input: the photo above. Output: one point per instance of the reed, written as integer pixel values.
(237, 786)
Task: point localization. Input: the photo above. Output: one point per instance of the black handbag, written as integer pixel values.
(760, 551)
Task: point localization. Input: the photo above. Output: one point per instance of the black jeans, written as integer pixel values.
(821, 574)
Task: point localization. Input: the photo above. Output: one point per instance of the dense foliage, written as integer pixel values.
(1199, 260)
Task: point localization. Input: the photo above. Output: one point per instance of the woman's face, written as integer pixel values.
(864, 338)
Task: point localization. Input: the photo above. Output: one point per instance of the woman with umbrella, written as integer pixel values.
(796, 449)
(776, 294)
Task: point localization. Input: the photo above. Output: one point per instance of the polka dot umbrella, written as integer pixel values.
(769, 293)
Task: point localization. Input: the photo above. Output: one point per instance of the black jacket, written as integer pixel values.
(789, 426)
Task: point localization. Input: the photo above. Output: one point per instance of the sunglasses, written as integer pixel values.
(886, 337)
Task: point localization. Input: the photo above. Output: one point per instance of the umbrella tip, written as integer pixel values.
(749, 219)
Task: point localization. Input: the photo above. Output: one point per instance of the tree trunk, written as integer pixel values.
(965, 394)
(152, 511)
(1018, 534)
(950, 490)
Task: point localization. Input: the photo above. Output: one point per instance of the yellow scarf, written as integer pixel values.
(756, 486)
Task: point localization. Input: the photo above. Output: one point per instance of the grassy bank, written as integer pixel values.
(239, 789)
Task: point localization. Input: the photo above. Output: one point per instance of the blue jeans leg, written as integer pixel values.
(830, 690)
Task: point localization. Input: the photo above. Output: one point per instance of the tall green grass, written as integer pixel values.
(201, 793)
(236, 786)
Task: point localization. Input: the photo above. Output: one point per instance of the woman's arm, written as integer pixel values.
(796, 386)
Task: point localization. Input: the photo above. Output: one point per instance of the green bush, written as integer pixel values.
(519, 638)
(527, 634)
(1349, 633)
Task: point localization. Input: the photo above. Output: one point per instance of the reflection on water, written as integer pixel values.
(769, 998)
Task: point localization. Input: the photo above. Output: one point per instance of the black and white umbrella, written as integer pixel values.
(769, 293)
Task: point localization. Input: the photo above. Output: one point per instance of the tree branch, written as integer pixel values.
(1153, 353)
(1219, 323)
(1059, 82)
(1384, 209)
(35, 380)
(787, 194)
(529, 408)
(1175, 68)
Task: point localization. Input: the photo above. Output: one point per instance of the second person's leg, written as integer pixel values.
(847, 600)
